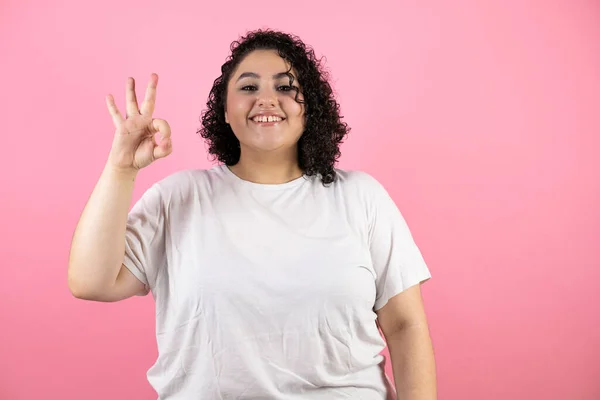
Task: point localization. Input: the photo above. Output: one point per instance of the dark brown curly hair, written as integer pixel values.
(319, 145)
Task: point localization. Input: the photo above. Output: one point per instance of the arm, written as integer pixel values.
(98, 246)
(404, 325)
(96, 270)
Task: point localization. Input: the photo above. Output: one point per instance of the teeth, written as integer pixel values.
(270, 118)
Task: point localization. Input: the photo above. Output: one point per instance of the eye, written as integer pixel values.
(249, 88)
(285, 88)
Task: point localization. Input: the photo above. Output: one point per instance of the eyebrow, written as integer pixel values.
(255, 75)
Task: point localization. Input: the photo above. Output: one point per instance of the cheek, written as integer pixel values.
(292, 108)
(237, 105)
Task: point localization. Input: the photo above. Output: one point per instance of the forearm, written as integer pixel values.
(413, 363)
(98, 244)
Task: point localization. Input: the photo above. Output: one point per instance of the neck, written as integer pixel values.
(267, 169)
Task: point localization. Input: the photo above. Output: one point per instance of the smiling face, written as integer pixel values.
(261, 107)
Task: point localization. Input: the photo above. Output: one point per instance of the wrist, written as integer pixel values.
(121, 174)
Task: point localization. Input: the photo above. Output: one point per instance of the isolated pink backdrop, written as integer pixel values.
(483, 121)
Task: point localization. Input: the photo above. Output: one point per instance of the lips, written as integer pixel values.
(267, 118)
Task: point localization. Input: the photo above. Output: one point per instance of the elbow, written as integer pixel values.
(80, 289)
(85, 290)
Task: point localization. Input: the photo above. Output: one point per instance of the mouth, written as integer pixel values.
(267, 120)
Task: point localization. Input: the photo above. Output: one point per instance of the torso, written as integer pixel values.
(267, 292)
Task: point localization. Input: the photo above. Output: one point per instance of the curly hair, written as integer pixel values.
(319, 145)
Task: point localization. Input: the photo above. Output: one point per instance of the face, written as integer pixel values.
(261, 107)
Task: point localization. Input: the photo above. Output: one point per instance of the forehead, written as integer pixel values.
(265, 63)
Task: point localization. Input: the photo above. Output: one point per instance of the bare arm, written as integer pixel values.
(98, 245)
(404, 325)
(96, 270)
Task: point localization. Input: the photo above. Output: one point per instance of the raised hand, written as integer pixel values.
(134, 146)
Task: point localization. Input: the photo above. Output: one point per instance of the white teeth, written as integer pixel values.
(270, 118)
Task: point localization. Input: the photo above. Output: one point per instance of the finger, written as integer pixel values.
(161, 126)
(164, 146)
(113, 110)
(163, 149)
(131, 99)
(150, 99)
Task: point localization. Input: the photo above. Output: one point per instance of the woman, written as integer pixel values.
(272, 271)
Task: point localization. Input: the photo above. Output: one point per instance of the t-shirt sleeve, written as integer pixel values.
(397, 261)
(145, 237)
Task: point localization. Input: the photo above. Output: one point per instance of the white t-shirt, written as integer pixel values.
(270, 291)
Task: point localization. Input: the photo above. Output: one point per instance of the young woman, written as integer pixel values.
(273, 271)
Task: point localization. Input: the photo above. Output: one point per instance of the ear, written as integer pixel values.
(226, 117)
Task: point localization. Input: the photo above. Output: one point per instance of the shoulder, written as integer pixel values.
(180, 187)
(187, 180)
(364, 189)
(355, 177)
(359, 182)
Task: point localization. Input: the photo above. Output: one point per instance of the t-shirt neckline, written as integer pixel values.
(262, 186)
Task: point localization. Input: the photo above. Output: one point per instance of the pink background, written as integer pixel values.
(482, 120)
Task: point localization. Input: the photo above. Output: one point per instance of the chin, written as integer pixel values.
(263, 148)
(268, 146)
(266, 143)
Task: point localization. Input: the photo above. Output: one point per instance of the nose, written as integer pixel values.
(267, 98)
